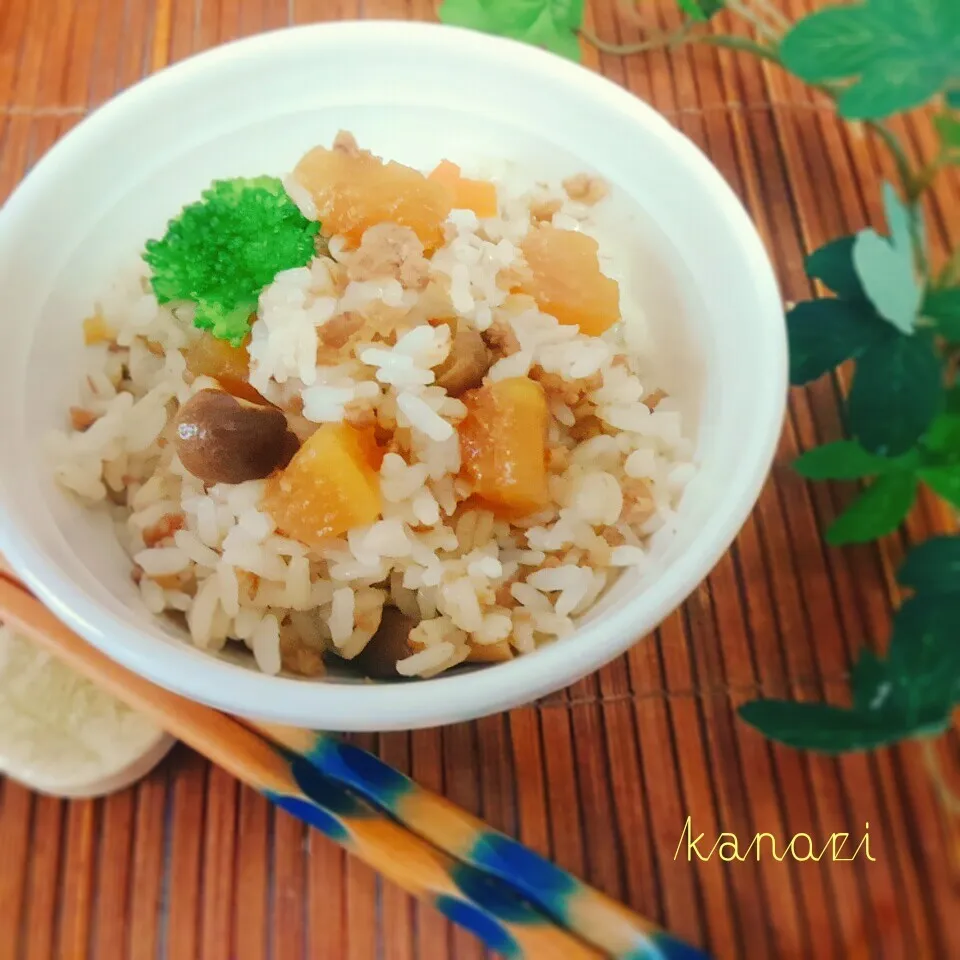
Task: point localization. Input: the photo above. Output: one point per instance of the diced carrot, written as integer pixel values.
(480, 196)
(329, 487)
(503, 444)
(566, 280)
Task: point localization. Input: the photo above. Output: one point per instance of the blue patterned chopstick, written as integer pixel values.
(597, 919)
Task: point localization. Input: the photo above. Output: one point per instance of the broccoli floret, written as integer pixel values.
(222, 251)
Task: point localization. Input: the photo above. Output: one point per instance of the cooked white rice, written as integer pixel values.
(484, 589)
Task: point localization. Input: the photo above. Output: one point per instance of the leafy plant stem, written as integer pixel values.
(900, 159)
(742, 44)
(951, 269)
(950, 800)
(753, 17)
(924, 177)
(779, 19)
(656, 41)
(661, 41)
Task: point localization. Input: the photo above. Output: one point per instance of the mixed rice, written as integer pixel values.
(366, 335)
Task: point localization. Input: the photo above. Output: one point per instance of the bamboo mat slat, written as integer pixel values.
(600, 777)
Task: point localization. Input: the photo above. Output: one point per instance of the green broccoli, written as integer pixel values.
(222, 251)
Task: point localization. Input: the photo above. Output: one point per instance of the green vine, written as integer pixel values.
(890, 315)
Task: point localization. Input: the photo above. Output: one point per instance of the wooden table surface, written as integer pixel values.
(603, 776)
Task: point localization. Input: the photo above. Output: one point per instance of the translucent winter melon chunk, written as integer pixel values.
(566, 280)
(503, 444)
(480, 196)
(209, 356)
(353, 190)
(329, 487)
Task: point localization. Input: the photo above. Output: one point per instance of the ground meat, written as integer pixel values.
(558, 459)
(389, 250)
(586, 428)
(169, 581)
(501, 339)
(638, 502)
(613, 536)
(294, 404)
(570, 392)
(165, 527)
(583, 188)
(542, 211)
(337, 332)
(301, 660)
(384, 323)
(654, 398)
(81, 419)
(503, 597)
(400, 441)
(598, 553)
(249, 584)
(466, 365)
(360, 416)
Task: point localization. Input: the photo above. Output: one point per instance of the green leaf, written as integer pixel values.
(940, 445)
(847, 460)
(825, 728)
(701, 10)
(492, 16)
(952, 98)
(943, 307)
(879, 510)
(897, 53)
(933, 567)
(868, 679)
(949, 130)
(944, 482)
(552, 24)
(833, 264)
(952, 404)
(824, 333)
(923, 659)
(911, 693)
(897, 391)
(940, 458)
(886, 268)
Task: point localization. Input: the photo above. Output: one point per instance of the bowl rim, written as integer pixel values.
(451, 697)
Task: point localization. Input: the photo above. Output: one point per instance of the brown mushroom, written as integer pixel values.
(222, 439)
(467, 363)
(390, 643)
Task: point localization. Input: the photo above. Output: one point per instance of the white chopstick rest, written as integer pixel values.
(61, 735)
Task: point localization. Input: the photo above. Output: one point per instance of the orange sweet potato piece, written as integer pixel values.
(566, 281)
(354, 190)
(503, 444)
(480, 196)
(329, 487)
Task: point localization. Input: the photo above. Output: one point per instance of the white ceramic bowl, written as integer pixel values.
(413, 92)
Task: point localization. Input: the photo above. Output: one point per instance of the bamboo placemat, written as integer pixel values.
(600, 777)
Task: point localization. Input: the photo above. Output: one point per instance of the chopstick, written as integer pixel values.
(477, 901)
(597, 919)
(356, 791)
